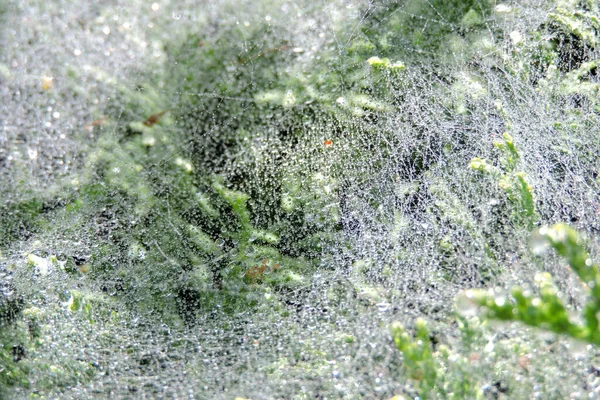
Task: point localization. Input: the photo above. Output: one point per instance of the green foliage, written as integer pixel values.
(13, 341)
(386, 64)
(13, 344)
(513, 182)
(584, 24)
(24, 334)
(447, 373)
(418, 360)
(214, 230)
(18, 219)
(228, 201)
(13, 337)
(403, 29)
(567, 57)
(190, 233)
(547, 310)
(436, 374)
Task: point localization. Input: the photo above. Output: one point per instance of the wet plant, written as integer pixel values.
(513, 182)
(546, 309)
(199, 198)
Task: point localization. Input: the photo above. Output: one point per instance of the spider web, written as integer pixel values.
(414, 224)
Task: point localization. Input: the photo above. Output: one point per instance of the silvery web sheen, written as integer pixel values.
(237, 199)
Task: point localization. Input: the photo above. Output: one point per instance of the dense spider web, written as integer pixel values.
(403, 224)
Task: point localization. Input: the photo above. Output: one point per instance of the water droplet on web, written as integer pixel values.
(596, 363)
(500, 300)
(176, 16)
(538, 243)
(578, 349)
(465, 305)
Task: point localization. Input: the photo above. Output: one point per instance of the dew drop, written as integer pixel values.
(465, 306)
(500, 300)
(538, 243)
(577, 349)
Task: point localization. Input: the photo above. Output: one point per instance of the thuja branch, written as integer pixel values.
(546, 309)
